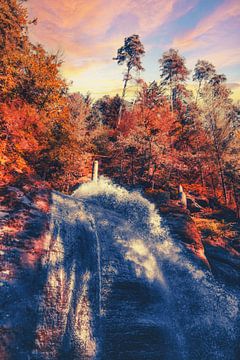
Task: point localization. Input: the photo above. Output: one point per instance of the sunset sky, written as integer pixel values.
(89, 32)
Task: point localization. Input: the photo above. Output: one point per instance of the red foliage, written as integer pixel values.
(23, 126)
(22, 138)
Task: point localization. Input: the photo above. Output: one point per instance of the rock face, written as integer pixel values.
(24, 241)
(68, 310)
(223, 261)
(221, 256)
(183, 227)
(224, 265)
(99, 276)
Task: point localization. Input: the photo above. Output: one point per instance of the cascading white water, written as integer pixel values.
(99, 267)
(130, 291)
(201, 317)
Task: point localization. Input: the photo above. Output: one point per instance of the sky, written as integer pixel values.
(88, 33)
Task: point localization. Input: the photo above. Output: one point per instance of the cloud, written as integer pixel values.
(97, 27)
(209, 27)
(88, 33)
(235, 87)
(215, 38)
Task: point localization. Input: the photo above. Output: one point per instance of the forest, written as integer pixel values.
(166, 136)
(140, 261)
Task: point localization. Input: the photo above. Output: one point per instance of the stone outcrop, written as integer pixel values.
(56, 286)
(183, 227)
(221, 256)
(23, 242)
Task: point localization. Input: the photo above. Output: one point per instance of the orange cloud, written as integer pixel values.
(96, 16)
(88, 33)
(97, 27)
(235, 91)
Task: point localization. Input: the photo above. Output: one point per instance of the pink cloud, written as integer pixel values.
(90, 28)
(88, 33)
(207, 28)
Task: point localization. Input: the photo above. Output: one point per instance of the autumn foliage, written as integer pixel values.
(34, 114)
(167, 136)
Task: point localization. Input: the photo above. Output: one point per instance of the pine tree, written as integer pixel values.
(130, 55)
(173, 73)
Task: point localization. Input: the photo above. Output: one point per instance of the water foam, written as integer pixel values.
(204, 312)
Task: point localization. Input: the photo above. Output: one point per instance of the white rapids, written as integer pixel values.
(123, 288)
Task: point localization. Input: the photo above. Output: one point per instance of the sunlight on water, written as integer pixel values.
(145, 262)
(130, 204)
(115, 273)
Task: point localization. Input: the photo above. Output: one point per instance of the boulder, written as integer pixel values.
(158, 197)
(193, 206)
(224, 264)
(203, 202)
(182, 225)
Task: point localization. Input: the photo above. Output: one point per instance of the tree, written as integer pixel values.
(79, 107)
(23, 137)
(27, 71)
(130, 54)
(13, 43)
(173, 72)
(203, 71)
(142, 152)
(151, 95)
(33, 99)
(217, 79)
(220, 120)
(105, 111)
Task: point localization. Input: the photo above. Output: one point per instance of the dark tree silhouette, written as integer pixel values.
(130, 54)
(173, 72)
(203, 71)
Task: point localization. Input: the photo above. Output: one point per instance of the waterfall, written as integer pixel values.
(119, 286)
(99, 268)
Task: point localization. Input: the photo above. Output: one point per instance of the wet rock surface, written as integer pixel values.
(23, 242)
(221, 256)
(224, 265)
(99, 276)
(183, 227)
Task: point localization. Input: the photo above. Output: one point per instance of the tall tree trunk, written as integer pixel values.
(201, 172)
(221, 172)
(123, 96)
(149, 159)
(213, 185)
(219, 160)
(222, 179)
(125, 83)
(198, 90)
(236, 201)
(132, 166)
